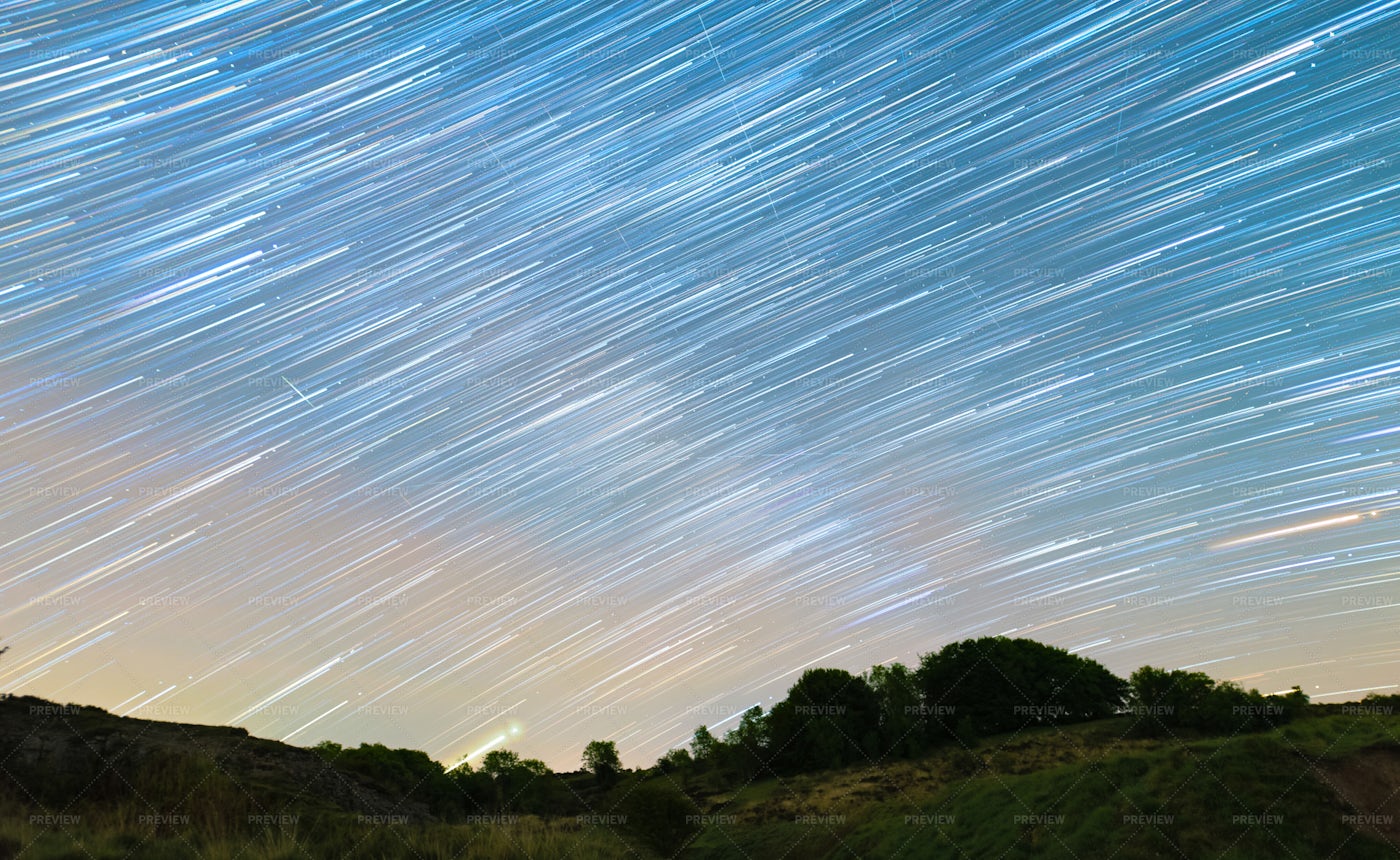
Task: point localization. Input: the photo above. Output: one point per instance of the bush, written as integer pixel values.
(661, 816)
(403, 773)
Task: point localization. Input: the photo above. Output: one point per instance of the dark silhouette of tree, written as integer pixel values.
(600, 759)
(525, 785)
(998, 684)
(1378, 703)
(675, 761)
(475, 788)
(901, 712)
(499, 763)
(965, 731)
(829, 719)
(538, 789)
(702, 746)
(747, 744)
(1164, 702)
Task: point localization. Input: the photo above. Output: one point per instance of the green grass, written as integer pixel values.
(1338, 736)
(525, 837)
(1078, 793)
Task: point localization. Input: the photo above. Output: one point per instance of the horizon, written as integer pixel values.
(475, 760)
(469, 377)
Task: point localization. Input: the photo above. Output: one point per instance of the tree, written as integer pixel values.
(996, 684)
(526, 785)
(1164, 702)
(537, 789)
(476, 789)
(829, 719)
(702, 746)
(600, 758)
(328, 750)
(748, 743)
(901, 714)
(1295, 702)
(499, 763)
(674, 760)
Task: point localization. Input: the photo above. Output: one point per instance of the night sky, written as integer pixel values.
(455, 376)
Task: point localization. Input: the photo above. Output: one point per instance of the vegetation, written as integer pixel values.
(1165, 702)
(405, 773)
(1072, 792)
(601, 759)
(969, 689)
(988, 747)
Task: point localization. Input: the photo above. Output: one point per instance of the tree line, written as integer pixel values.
(832, 718)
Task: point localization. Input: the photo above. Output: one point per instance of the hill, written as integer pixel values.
(1324, 786)
(58, 755)
(80, 782)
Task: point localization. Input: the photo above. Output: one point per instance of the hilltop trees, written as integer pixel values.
(902, 733)
(520, 785)
(996, 684)
(702, 745)
(1164, 702)
(747, 744)
(830, 718)
(600, 759)
(674, 760)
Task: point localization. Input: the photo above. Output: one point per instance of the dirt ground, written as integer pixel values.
(1369, 782)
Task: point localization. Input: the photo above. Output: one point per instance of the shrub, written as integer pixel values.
(660, 815)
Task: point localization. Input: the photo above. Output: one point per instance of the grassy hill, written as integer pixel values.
(1085, 791)
(81, 783)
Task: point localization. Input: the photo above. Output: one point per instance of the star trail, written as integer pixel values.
(459, 376)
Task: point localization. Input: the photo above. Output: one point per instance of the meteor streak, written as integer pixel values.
(1303, 527)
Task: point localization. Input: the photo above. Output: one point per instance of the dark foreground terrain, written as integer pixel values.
(78, 782)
